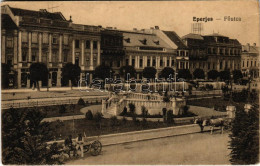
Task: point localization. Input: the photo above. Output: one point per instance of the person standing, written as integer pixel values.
(80, 142)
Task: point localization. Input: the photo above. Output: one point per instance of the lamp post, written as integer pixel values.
(231, 79)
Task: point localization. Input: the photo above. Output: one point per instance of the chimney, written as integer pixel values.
(156, 27)
(100, 26)
(135, 29)
(115, 27)
(248, 46)
(254, 44)
(151, 27)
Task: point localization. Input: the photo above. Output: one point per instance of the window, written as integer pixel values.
(24, 55)
(140, 62)
(220, 65)
(94, 44)
(87, 44)
(54, 40)
(45, 38)
(213, 66)
(118, 63)
(209, 50)
(9, 41)
(65, 56)
(154, 62)
(148, 62)
(127, 62)
(243, 63)
(111, 63)
(172, 62)
(187, 53)
(161, 62)
(255, 63)
(247, 63)
(34, 37)
(133, 62)
(251, 63)
(208, 65)
(54, 56)
(168, 62)
(65, 39)
(76, 43)
(24, 37)
(77, 61)
(34, 56)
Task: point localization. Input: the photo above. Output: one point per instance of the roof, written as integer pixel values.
(215, 35)
(7, 22)
(39, 14)
(176, 39)
(143, 39)
(192, 36)
(250, 49)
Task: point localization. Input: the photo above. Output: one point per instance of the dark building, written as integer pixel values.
(213, 52)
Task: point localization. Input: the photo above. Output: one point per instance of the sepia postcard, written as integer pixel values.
(130, 82)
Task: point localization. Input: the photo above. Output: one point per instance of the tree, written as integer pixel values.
(184, 73)
(166, 72)
(124, 70)
(38, 72)
(5, 70)
(237, 74)
(132, 110)
(24, 138)
(71, 72)
(224, 75)
(199, 73)
(102, 72)
(244, 136)
(213, 74)
(149, 72)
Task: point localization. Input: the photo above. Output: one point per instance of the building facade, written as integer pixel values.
(213, 52)
(250, 60)
(40, 36)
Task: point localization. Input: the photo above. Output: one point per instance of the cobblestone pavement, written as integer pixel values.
(200, 148)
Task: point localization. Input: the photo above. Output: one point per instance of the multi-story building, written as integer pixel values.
(112, 49)
(143, 49)
(213, 52)
(175, 42)
(250, 60)
(40, 36)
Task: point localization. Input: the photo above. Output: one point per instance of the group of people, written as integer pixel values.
(70, 146)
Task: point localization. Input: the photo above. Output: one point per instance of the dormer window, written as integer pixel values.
(127, 40)
(144, 42)
(157, 42)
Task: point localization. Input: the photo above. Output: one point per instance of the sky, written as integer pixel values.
(168, 15)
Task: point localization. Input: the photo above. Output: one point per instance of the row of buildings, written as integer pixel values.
(40, 36)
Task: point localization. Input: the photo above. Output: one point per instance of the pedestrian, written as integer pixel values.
(80, 142)
(69, 145)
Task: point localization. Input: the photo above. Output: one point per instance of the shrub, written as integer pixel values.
(169, 118)
(62, 109)
(89, 115)
(144, 111)
(144, 122)
(124, 120)
(81, 102)
(113, 121)
(132, 108)
(124, 112)
(98, 118)
(185, 109)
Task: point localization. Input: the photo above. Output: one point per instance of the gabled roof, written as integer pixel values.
(176, 39)
(39, 14)
(142, 39)
(192, 36)
(7, 22)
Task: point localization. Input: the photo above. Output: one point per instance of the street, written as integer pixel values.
(200, 148)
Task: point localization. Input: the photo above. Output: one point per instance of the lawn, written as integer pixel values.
(108, 126)
(60, 110)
